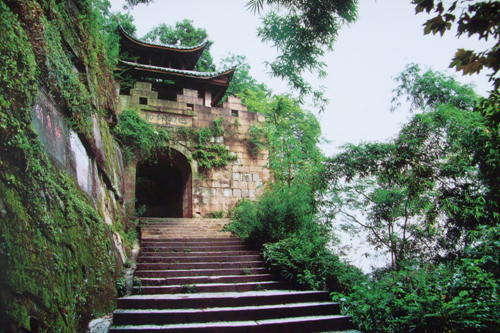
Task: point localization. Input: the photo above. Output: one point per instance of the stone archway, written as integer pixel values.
(164, 187)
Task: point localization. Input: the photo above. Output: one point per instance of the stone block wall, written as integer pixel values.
(212, 190)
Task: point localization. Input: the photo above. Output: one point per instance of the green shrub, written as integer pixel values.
(304, 260)
(280, 213)
(294, 244)
(138, 284)
(121, 286)
(189, 289)
(128, 263)
(460, 297)
(217, 214)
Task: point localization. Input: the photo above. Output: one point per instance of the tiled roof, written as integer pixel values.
(181, 72)
(176, 47)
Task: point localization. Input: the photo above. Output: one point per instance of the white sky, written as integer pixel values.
(367, 55)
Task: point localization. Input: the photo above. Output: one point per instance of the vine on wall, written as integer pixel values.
(138, 138)
(207, 145)
(142, 141)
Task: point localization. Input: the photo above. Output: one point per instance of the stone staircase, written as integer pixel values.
(196, 278)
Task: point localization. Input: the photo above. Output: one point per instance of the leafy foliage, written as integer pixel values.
(480, 18)
(257, 140)
(292, 136)
(421, 183)
(427, 197)
(301, 30)
(457, 297)
(184, 34)
(284, 221)
(277, 215)
(111, 34)
(56, 259)
(426, 91)
(303, 259)
(488, 155)
(208, 148)
(138, 138)
(242, 81)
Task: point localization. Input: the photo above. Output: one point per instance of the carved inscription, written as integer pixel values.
(166, 119)
(48, 124)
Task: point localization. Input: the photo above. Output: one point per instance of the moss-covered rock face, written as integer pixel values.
(57, 259)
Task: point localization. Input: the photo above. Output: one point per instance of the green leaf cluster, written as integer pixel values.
(304, 261)
(284, 222)
(138, 138)
(301, 31)
(184, 34)
(459, 296)
(422, 190)
(477, 18)
(242, 82)
(427, 198)
(206, 147)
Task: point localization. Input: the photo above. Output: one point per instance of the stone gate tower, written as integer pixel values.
(170, 95)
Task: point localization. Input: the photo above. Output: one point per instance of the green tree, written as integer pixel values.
(184, 34)
(422, 197)
(285, 222)
(292, 135)
(473, 18)
(301, 31)
(242, 80)
(481, 19)
(488, 155)
(111, 34)
(418, 194)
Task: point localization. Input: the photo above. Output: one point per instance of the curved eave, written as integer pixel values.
(166, 47)
(216, 82)
(214, 77)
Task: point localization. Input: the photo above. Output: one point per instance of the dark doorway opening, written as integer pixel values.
(164, 186)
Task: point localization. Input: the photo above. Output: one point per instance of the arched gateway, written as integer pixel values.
(164, 187)
(168, 94)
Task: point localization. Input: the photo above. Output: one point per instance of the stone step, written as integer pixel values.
(198, 259)
(176, 235)
(207, 288)
(187, 252)
(199, 265)
(221, 248)
(211, 300)
(181, 223)
(211, 283)
(192, 230)
(284, 325)
(200, 272)
(180, 219)
(182, 280)
(184, 229)
(192, 241)
(244, 313)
